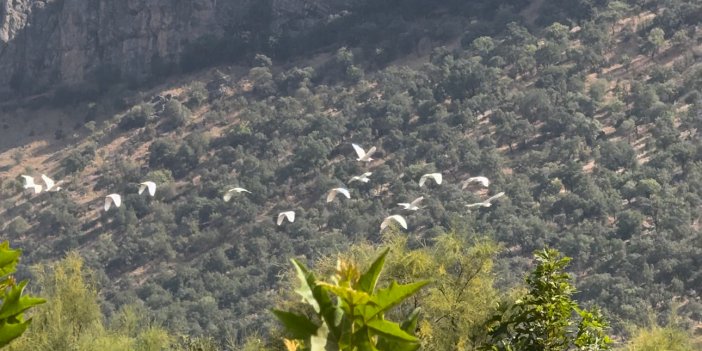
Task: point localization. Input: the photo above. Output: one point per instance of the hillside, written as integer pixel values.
(586, 116)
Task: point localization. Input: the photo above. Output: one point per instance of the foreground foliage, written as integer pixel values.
(355, 318)
(655, 338)
(72, 321)
(13, 303)
(461, 296)
(547, 318)
(597, 146)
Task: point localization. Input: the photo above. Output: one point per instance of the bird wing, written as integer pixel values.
(359, 151)
(404, 205)
(28, 181)
(422, 180)
(345, 192)
(417, 201)
(240, 190)
(495, 197)
(477, 204)
(331, 195)
(142, 186)
(438, 178)
(108, 202)
(371, 151)
(482, 180)
(228, 195)
(399, 219)
(48, 181)
(290, 215)
(367, 174)
(384, 223)
(151, 186)
(116, 199)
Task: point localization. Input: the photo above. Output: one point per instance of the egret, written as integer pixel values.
(436, 176)
(228, 195)
(362, 154)
(289, 215)
(112, 199)
(481, 180)
(362, 178)
(412, 206)
(397, 218)
(29, 184)
(332, 194)
(147, 185)
(488, 202)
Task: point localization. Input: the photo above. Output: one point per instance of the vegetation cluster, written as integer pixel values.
(587, 116)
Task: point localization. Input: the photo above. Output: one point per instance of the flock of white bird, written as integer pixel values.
(363, 156)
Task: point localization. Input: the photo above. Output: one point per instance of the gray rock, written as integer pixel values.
(48, 43)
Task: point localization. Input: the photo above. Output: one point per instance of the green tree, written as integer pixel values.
(461, 297)
(14, 304)
(547, 318)
(656, 39)
(73, 321)
(657, 338)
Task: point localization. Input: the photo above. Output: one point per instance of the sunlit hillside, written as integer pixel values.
(585, 114)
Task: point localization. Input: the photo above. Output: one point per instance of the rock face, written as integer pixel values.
(45, 43)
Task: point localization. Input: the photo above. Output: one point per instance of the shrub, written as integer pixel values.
(136, 117)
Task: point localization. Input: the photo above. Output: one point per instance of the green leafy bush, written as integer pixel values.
(355, 319)
(14, 304)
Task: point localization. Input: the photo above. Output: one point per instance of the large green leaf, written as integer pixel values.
(316, 296)
(8, 259)
(14, 303)
(390, 330)
(389, 297)
(299, 326)
(10, 331)
(306, 285)
(329, 311)
(410, 324)
(369, 279)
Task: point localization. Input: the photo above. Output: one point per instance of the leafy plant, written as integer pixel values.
(355, 319)
(544, 318)
(14, 304)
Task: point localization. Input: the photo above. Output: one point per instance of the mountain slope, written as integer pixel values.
(591, 130)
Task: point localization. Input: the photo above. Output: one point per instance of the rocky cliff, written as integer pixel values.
(45, 43)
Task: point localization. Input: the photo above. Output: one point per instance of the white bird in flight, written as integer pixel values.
(29, 184)
(397, 218)
(436, 176)
(49, 183)
(362, 178)
(488, 202)
(482, 180)
(362, 154)
(112, 198)
(147, 185)
(289, 215)
(228, 195)
(412, 206)
(332, 194)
